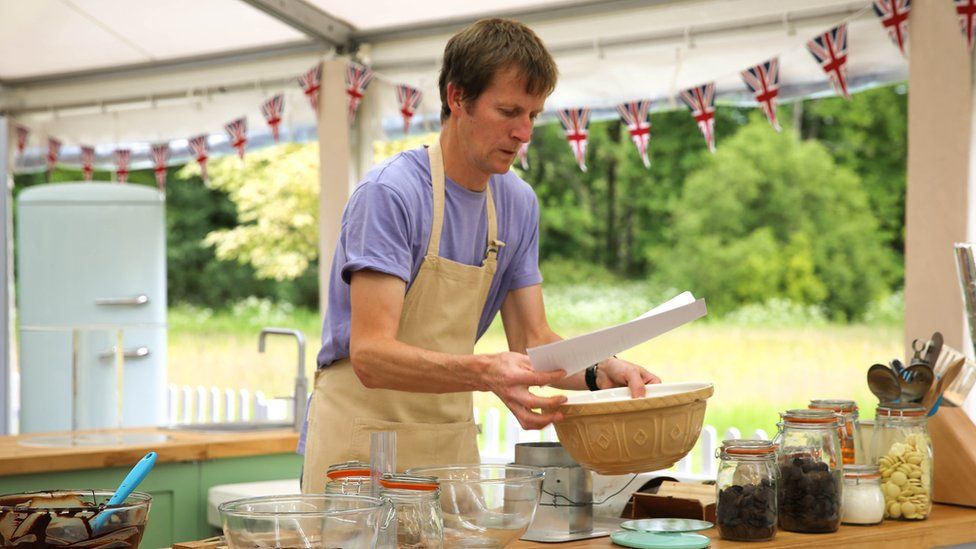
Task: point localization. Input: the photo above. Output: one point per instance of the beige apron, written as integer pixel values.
(441, 311)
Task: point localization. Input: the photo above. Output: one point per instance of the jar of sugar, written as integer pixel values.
(863, 501)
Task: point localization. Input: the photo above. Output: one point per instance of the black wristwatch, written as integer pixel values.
(590, 377)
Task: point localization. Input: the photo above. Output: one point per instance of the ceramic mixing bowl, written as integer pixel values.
(611, 433)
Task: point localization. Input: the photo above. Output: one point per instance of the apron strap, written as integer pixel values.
(437, 182)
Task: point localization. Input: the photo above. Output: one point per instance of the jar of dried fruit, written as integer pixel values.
(903, 451)
(810, 471)
(849, 430)
(746, 484)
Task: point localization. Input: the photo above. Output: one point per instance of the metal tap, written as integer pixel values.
(301, 384)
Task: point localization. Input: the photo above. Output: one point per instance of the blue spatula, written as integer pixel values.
(135, 476)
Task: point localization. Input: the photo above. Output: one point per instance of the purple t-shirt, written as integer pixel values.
(386, 226)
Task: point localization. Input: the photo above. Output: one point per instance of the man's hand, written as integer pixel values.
(614, 372)
(509, 375)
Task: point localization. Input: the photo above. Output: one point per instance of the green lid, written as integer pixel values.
(649, 540)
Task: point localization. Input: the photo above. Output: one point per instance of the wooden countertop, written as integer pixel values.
(17, 458)
(946, 526)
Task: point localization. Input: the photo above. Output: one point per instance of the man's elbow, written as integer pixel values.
(359, 356)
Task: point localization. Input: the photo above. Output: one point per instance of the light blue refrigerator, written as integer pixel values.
(91, 273)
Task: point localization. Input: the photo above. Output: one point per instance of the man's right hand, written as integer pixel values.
(509, 375)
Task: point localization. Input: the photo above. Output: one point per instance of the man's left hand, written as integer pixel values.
(614, 372)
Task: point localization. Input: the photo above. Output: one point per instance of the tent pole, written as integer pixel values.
(941, 173)
(6, 279)
(336, 167)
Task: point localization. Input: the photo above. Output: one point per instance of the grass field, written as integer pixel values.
(758, 369)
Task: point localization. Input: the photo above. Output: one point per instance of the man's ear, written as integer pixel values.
(455, 98)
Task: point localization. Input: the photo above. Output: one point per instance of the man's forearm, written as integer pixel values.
(391, 364)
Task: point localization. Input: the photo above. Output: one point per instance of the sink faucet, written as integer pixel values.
(301, 385)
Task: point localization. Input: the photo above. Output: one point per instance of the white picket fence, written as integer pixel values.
(499, 430)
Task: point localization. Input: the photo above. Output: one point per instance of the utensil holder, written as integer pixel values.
(954, 445)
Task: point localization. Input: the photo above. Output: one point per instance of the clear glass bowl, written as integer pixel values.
(486, 506)
(67, 518)
(305, 520)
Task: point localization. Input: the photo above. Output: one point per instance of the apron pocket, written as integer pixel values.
(420, 444)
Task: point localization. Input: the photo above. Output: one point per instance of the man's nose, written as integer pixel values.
(523, 130)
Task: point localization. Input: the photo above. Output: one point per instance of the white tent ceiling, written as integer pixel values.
(143, 71)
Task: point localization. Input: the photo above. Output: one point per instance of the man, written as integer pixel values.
(434, 242)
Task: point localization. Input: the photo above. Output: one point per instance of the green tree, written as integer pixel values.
(771, 216)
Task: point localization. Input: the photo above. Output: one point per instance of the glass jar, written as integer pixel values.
(849, 431)
(350, 478)
(810, 471)
(746, 484)
(864, 503)
(903, 451)
(416, 499)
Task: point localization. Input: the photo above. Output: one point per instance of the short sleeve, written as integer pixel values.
(376, 233)
(525, 264)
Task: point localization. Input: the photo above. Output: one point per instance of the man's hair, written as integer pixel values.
(473, 56)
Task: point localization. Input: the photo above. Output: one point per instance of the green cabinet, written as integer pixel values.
(179, 490)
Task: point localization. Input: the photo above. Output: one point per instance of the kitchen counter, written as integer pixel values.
(180, 446)
(946, 526)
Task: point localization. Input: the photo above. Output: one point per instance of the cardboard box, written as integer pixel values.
(674, 500)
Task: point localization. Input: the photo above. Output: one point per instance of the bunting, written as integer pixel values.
(634, 115)
(198, 146)
(22, 134)
(237, 131)
(575, 122)
(830, 50)
(159, 154)
(122, 164)
(763, 81)
(966, 11)
(701, 101)
(894, 17)
(523, 155)
(53, 151)
(357, 79)
(272, 109)
(408, 98)
(311, 83)
(87, 162)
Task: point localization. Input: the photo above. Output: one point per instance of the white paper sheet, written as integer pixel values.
(577, 353)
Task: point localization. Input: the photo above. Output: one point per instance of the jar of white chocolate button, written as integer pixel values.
(903, 451)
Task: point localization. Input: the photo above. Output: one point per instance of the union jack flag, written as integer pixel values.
(272, 109)
(634, 114)
(966, 11)
(53, 150)
(237, 131)
(523, 155)
(408, 97)
(159, 154)
(830, 50)
(357, 79)
(701, 101)
(22, 134)
(122, 164)
(763, 81)
(894, 17)
(310, 83)
(575, 122)
(198, 146)
(87, 162)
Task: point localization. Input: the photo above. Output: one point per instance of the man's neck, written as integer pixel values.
(456, 165)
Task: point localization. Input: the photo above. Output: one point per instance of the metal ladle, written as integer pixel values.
(883, 383)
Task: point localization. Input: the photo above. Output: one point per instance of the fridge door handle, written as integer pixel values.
(140, 299)
(138, 352)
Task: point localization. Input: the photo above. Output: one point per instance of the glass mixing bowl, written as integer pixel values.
(486, 506)
(67, 518)
(305, 521)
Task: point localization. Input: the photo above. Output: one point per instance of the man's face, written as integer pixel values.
(495, 125)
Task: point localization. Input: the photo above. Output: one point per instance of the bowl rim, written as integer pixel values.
(702, 391)
(231, 508)
(532, 473)
(142, 499)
